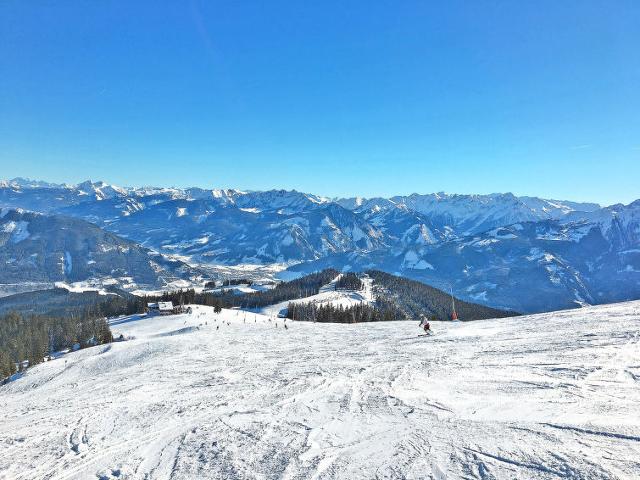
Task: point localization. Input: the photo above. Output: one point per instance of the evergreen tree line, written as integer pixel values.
(33, 338)
(349, 281)
(416, 299)
(59, 302)
(114, 306)
(327, 313)
(299, 288)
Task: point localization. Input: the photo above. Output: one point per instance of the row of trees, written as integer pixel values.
(33, 338)
(349, 281)
(114, 305)
(362, 312)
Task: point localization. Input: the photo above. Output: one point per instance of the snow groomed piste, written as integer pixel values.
(223, 396)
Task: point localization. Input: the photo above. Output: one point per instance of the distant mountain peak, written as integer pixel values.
(21, 182)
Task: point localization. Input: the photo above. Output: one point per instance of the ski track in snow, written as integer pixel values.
(545, 396)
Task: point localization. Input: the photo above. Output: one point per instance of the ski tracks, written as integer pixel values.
(484, 401)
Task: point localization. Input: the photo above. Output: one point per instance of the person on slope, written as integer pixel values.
(424, 323)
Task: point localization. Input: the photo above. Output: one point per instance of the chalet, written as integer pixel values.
(164, 308)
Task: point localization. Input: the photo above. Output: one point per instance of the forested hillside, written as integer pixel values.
(33, 338)
(59, 302)
(35, 325)
(415, 299)
(349, 281)
(396, 298)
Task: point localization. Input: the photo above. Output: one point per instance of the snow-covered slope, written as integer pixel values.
(205, 396)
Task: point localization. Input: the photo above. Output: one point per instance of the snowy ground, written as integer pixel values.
(329, 295)
(545, 396)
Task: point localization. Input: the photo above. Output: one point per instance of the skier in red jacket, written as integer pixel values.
(424, 323)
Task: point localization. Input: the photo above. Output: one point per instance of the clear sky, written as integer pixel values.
(332, 97)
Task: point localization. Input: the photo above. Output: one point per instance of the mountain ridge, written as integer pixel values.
(40, 248)
(434, 238)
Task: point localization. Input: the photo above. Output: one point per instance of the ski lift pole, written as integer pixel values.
(454, 315)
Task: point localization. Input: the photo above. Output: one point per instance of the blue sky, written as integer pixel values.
(337, 98)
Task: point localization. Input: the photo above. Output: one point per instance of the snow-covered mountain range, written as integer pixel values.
(525, 253)
(41, 250)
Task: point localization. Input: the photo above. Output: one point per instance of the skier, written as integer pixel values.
(424, 323)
